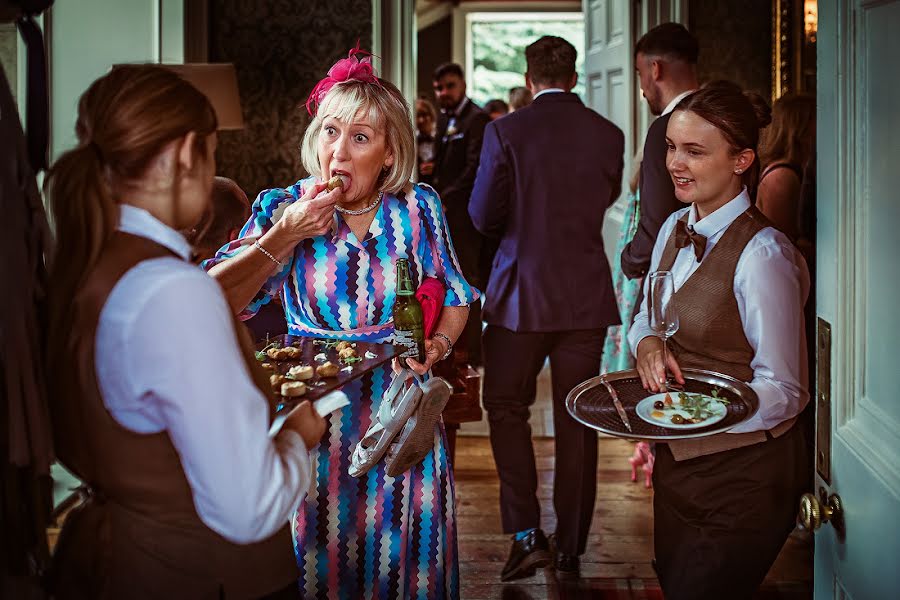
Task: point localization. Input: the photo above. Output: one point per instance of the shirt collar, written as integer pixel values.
(671, 106)
(720, 219)
(138, 221)
(548, 91)
(455, 112)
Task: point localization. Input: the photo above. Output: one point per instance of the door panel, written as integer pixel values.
(857, 288)
(608, 66)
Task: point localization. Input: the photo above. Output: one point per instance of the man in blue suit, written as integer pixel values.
(548, 173)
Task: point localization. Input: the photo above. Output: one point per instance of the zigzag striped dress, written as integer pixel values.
(376, 536)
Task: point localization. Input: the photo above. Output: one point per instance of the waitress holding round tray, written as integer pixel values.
(725, 504)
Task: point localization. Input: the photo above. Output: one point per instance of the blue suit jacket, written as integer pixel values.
(548, 173)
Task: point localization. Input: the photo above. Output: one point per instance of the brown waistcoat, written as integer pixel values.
(711, 335)
(139, 536)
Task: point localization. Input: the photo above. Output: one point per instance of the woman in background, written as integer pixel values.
(785, 149)
(616, 353)
(426, 120)
(519, 97)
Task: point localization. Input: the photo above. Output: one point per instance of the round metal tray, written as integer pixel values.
(590, 404)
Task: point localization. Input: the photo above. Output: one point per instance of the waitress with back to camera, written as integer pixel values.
(725, 504)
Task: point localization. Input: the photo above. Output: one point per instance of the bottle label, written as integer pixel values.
(407, 339)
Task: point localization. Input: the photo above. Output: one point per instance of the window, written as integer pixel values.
(495, 44)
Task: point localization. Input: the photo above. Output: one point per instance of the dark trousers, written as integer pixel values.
(512, 362)
(721, 520)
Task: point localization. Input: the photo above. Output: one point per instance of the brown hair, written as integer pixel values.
(789, 137)
(229, 211)
(519, 97)
(737, 114)
(125, 119)
(669, 41)
(551, 60)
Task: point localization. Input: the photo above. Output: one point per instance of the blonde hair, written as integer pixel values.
(386, 109)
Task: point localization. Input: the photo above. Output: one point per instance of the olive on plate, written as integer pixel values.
(678, 419)
(658, 405)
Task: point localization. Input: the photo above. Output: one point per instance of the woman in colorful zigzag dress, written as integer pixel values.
(331, 256)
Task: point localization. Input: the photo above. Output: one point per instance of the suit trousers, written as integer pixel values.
(720, 520)
(512, 362)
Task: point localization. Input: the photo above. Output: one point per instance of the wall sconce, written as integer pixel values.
(810, 20)
(218, 81)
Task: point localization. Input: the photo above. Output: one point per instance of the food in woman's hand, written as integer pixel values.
(300, 372)
(293, 389)
(335, 182)
(327, 369)
(276, 380)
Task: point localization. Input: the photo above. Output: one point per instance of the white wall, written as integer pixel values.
(86, 37)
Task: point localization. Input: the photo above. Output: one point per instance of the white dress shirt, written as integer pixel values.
(167, 359)
(771, 284)
(671, 105)
(548, 91)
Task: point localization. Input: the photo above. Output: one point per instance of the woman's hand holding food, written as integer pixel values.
(650, 364)
(311, 215)
(305, 421)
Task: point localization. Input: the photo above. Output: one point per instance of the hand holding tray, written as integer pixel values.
(590, 404)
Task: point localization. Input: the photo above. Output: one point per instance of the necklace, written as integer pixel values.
(360, 211)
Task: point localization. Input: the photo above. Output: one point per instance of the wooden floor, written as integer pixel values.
(620, 546)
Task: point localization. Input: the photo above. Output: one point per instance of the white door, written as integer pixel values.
(857, 294)
(611, 29)
(608, 71)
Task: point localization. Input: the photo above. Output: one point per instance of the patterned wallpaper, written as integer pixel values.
(735, 42)
(280, 49)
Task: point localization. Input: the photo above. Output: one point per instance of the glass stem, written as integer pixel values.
(665, 363)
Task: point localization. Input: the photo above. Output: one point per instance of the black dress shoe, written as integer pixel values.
(526, 555)
(568, 566)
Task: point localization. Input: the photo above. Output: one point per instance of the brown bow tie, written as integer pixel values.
(685, 234)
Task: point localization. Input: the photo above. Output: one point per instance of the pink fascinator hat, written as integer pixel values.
(356, 67)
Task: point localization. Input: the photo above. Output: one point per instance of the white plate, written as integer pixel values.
(644, 409)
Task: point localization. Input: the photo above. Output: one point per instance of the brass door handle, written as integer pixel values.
(814, 512)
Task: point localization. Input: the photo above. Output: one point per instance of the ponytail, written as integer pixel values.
(125, 119)
(84, 216)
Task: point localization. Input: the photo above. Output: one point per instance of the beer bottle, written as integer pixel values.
(409, 322)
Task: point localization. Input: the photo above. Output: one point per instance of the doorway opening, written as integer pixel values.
(495, 48)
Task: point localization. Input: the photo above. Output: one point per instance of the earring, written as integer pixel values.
(738, 171)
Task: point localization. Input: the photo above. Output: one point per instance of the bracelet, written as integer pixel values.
(268, 254)
(444, 337)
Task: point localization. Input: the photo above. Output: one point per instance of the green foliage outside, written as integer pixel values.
(498, 52)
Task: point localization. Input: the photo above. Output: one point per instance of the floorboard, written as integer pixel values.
(620, 546)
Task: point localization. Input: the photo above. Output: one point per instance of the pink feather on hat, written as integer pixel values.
(356, 67)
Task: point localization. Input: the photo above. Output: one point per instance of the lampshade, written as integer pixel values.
(218, 82)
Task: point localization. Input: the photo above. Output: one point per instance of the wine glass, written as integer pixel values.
(661, 312)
